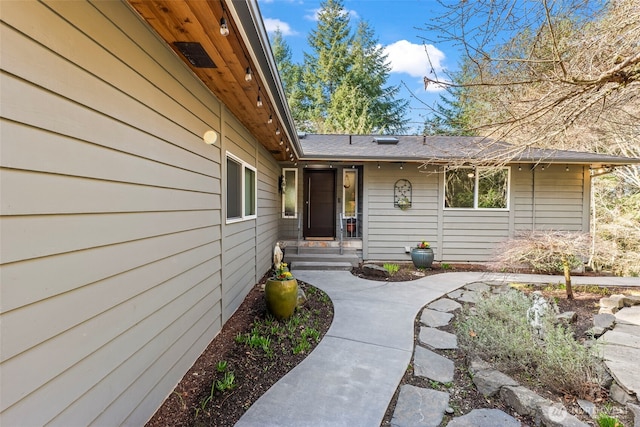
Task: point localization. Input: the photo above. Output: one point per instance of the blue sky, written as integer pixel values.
(397, 26)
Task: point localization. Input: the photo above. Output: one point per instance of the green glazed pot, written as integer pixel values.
(422, 258)
(282, 297)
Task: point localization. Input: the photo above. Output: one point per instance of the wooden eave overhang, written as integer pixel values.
(247, 45)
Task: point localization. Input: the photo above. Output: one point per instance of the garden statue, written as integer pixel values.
(277, 256)
(537, 311)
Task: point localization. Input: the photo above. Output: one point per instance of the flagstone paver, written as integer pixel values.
(435, 318)
(419, 407)
(428, 364)
(444, 304)
(435, 338)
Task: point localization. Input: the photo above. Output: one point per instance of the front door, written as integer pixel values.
(320, 208)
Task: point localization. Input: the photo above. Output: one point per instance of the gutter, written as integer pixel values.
(255, 36)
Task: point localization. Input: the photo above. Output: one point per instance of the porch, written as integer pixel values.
(342, 252)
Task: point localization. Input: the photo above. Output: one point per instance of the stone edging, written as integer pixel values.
(487, 380)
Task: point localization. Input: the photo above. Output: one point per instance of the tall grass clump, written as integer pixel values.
(497, 330)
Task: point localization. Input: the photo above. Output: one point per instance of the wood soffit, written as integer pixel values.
(199, 21)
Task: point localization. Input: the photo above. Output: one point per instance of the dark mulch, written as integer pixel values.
(255, 372)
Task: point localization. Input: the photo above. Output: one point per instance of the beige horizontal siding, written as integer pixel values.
(112, 216)
(389, 228)
(553, 198)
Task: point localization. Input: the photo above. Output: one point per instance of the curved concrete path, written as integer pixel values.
(351, 376)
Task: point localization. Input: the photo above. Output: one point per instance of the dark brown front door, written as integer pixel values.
(320, 208)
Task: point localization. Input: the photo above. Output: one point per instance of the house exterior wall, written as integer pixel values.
(116, 262)
(551, 199)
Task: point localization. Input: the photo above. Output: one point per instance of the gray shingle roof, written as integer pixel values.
(440, 149)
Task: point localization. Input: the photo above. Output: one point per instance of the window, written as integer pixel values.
(350, 192)
(479, 188)
(289, 190)
(241, 189)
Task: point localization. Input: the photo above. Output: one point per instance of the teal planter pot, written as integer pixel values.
(422, 258)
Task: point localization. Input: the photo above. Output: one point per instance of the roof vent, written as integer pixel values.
(386, 140)
(195, 54)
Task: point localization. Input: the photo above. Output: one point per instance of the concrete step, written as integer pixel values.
(316, 265)
(352, 258)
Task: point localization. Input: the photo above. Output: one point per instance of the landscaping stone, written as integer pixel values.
(630, 315)
(489, 382)
(567, 317)
(477, 365)
(419, 407)
(587, 407)
(619, 394)
(631, 300)
(444, 304)
(374, 270)
(628, 328)
(596, 331)
(477, 287)
(635, 410)
(485, 418)
(621, 338)
(437, 339)
(556, 415)
(435, 318)
(428, 364)
(521, 399)
(604, 320)
(610, 305)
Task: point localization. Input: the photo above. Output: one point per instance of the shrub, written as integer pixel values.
(497, 330)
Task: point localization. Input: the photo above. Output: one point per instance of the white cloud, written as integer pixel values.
(271, 25)
(417, 60)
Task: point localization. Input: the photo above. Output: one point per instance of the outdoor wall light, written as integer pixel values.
(270, 119)
(519, 167)
(277, 131)
(567, 168)
(401, 166)
(248, 77)
(281, 141)
(259, 100)
(287, 150)
(210, 137)
(378, 165)
(224, 29)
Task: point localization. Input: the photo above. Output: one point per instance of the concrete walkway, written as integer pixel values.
(351, 376)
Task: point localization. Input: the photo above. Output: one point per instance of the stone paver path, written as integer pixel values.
(621, 345)
(426, 407)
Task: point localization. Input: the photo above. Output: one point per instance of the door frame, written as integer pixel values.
(331, 220)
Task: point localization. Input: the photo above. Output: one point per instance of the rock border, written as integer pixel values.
(491, 382)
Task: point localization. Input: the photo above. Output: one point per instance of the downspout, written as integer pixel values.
(533, 199)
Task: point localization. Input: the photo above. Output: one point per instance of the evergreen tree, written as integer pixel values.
(326, 68)
(341, 88)
(290, 75)
(362, 100)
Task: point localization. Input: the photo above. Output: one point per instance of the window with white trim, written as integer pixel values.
(477, 188)
(350, 192)
(289, 190)
(241, 189)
